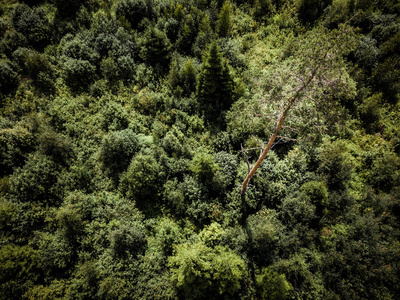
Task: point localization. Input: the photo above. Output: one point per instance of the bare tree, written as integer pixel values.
(312, 72)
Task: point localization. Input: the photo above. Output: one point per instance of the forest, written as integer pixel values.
(199, 149)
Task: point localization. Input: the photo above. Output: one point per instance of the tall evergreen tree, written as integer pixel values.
(224, 20)
(215, 84)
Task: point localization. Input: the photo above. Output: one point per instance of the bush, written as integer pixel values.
(272, 285)
(203, 166)
(265, 231)
(81, 47)
(115, 116)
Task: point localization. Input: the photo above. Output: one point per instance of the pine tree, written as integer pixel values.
(215, 83)
(155, 47)
(204, 37)
(224, 20)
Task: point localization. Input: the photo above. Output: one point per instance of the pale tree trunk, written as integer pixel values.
(263, 154)
(324, 62)
(277, 130)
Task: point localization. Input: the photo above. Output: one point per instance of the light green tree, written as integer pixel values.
(202, 272)
(295, 89)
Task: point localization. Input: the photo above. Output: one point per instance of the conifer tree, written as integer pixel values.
(204, 37)
(224, 20)
(215, 84)
(155, 47)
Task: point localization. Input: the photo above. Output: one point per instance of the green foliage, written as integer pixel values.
(272, 285)
(155, 47)
(203, 166)
(36, 181)
(264, 234)
(142, 181)
(115, 116)
(214, 84)
(370, 113)
(121, 125)
(78, 74)
(204, 37)
(84, 283)
(15, 143)
(336, 163)
(55, 253)
(117, 150)
(129, 239)
(18, 270)
(224, 20)
(187, 35)
(33, 24)
(133, 11)
(201, 272)
(167, 234)
(8, 78)
(316, 191)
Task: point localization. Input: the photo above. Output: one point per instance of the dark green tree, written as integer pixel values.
(155, 47)
(224, 20)
(133, 11)
(117, 150)
(204, 37)
(215, 84)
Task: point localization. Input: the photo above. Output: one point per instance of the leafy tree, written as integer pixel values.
(19, 270)
(128, 239)
(78, 73)
(115, 116)
(201, 272)
(117, 150)
(265, 231)
(33, 24)
(133, 11)
(8, 78)
(272, 285)
(203, 166)
(36, 181)
(142, 181)
(15, 143)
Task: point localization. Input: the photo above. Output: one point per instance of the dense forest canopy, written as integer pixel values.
(127, 128)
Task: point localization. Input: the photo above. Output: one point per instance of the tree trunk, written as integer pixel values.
(263, 155)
